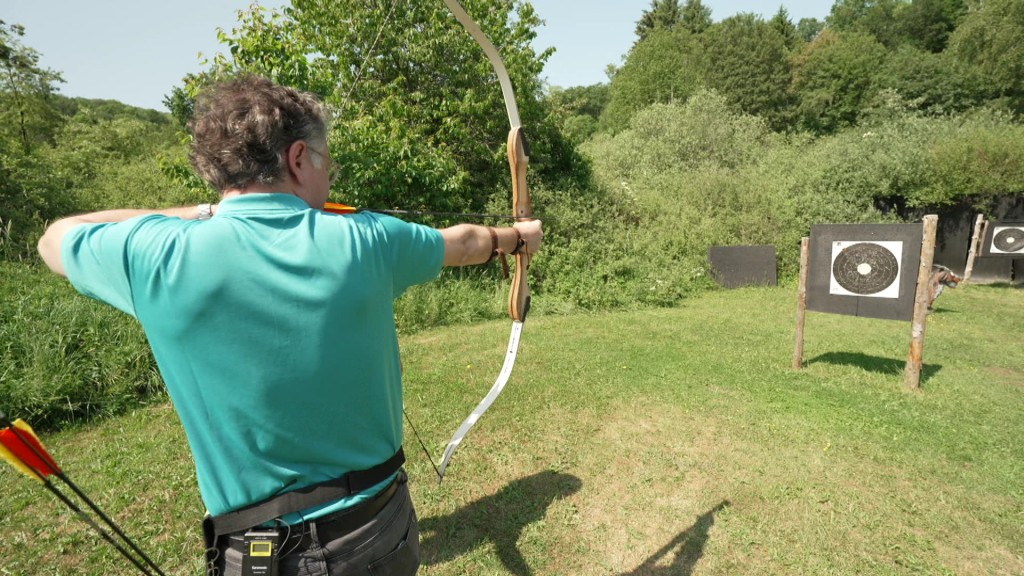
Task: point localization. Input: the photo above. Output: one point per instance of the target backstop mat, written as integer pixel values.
(735, 266)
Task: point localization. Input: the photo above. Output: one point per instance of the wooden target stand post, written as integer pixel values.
(871, 270)
(1004, 239)
(979, 233)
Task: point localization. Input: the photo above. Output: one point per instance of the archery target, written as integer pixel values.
(870, 269)
(1007, 240)
(867, 270)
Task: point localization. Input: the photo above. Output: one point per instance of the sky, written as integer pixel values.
(136, 51)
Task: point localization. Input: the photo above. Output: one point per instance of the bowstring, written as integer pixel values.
(369, 55)
(344, 104)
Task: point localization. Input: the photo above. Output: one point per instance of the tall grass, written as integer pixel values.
(63, 357)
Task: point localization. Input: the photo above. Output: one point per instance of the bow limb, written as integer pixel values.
(522, 208)
(495, 58)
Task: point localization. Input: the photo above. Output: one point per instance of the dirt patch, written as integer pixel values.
(1011, 377)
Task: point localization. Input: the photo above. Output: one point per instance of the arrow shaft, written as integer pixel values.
(103, 533)
(34, 457)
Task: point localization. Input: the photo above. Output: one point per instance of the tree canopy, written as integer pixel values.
(28, 113)
(748, 62)
(419, 118)
(665, 67)
(989, 39)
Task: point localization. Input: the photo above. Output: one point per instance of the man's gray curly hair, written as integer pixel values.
(241, 129)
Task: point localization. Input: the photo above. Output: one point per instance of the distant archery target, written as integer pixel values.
(869, 269)
(1007, 239)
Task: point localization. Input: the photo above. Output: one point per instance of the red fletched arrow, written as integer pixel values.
(20, 446)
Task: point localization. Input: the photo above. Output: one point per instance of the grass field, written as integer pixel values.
(663, 442)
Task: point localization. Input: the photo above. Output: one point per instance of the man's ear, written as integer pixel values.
(296, 156)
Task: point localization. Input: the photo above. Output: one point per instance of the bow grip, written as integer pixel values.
(522, 209)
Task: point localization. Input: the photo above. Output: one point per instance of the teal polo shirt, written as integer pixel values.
(273, 327)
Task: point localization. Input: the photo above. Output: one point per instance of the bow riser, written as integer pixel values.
(522, 207)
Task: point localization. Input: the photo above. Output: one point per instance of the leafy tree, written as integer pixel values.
(748, 63)
(29, 117)
(879, 18)
(809, 28)
(936, 84)
(834, 79)
(696, 16)
(589, 100)
(662, 14)
(27, 111)
(785, 27)
(577, 109)
(180, 104)
(666, 67)
(419, 116)
(927, 24)
(60, 155)
(989, 39)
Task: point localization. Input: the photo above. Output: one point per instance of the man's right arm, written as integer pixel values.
(50, 244)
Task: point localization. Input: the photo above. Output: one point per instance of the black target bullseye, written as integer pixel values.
(865, 268)
(1009, 239)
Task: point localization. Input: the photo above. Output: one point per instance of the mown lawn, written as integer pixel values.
(662, 442)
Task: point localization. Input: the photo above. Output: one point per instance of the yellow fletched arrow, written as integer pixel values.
(23, 450)
(20, 446)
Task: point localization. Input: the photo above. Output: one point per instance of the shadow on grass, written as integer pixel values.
(497, 519)
(872, 363)
(687, 548)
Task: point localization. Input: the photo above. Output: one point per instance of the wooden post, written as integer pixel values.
(912, 371)
(976, 240)
(801, 303)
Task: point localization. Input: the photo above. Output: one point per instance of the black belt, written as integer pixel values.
(285, 503)
(336, 524)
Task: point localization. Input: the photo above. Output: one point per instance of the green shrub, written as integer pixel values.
(975, 158)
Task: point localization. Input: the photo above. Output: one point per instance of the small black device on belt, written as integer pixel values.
(260, 555)
(276, 506)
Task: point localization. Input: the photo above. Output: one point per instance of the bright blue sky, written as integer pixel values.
(136, 51)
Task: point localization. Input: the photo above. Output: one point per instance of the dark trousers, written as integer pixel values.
(387, 545)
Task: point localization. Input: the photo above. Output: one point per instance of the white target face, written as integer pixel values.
(866, 268)
(1007, 240)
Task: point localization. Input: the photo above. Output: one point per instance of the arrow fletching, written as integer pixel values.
(20, 446)
(337, 208)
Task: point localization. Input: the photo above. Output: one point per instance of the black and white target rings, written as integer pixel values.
(1008, 239)
(866, 269)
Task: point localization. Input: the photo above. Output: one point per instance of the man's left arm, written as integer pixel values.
(50, 244)
(466, 244)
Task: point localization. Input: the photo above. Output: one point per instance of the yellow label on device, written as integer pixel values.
(261, 548)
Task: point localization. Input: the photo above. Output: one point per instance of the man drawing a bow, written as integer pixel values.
(272, 323)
